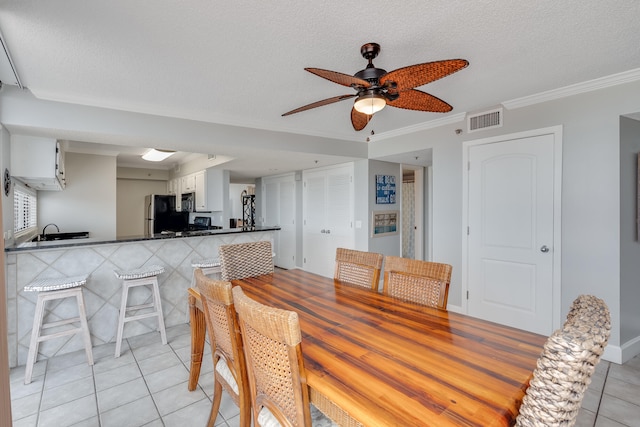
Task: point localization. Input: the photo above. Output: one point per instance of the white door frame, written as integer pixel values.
(556, 131)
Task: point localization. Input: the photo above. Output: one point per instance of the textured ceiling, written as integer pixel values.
(242, 63)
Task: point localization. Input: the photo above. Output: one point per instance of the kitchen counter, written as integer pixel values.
(98, 259)
(28, 246)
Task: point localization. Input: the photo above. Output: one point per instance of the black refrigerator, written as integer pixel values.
(160, 215)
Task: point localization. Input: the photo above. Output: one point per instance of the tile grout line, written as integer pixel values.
(95, 394)
(606, 377)
(145, 382)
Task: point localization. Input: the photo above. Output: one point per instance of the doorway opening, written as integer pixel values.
(412, 209)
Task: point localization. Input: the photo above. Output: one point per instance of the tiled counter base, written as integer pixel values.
(102, 291)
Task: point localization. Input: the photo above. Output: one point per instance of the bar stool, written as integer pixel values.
(145, 276)
(207, 265)
(52, 289)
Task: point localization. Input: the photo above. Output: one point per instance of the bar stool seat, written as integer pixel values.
(145, 276)
(52, 289)
(208, 265)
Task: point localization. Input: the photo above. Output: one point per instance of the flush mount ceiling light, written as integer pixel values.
(369, 103)
(156, 155)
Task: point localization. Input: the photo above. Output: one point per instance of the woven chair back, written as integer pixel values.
(358, 268)
(275, 365)
(420, 282)
(246, 260)
(566, 365)
(226, 345)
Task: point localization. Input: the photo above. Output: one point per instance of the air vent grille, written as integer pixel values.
(485, 120)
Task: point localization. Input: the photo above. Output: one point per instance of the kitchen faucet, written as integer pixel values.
(45, 227)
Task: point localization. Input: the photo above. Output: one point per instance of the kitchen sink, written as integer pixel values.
(61, 236)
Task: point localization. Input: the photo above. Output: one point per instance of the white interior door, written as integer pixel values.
(313, 227)
(280, 209)
(287, 245)
(328, 216)
(511, 232)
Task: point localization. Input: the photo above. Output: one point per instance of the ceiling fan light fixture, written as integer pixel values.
(157, 155)
(369, 103)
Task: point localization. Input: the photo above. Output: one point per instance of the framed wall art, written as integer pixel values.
(384, 223)
(385, 189)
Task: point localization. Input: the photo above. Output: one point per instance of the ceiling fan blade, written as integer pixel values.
(340, 78)
(421, 74)
(414, 99)
(319, 104)
(359, 120)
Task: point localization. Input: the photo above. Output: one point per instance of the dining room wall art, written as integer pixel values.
(385, 189)
(384, 223)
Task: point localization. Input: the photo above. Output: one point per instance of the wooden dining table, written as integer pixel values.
(378, 361)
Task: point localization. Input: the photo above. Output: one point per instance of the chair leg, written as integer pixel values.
(34, 343)
(215, 405)
(85, 327)
(198, 328)
(158, 307)
(245, 410)
(123, 309)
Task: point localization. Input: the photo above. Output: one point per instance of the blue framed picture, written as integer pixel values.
(385, 189)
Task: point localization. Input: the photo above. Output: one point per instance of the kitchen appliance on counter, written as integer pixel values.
(161, 215)
(201, 223)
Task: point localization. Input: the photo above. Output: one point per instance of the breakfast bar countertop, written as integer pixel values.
(29, 246)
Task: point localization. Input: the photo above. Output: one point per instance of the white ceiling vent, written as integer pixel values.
(485, 120)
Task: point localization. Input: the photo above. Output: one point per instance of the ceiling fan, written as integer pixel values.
(376, 88)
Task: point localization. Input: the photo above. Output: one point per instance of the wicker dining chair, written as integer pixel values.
(421, 282)
(242, 260)
(358, 268)
(275, 365)
(565, 367)
(230, 369)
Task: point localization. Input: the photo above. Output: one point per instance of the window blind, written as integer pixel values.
(25, 210)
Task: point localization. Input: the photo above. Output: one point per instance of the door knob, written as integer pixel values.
(544, 249)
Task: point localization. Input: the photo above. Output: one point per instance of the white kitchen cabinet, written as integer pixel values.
(188, 184)
(172, 186)
(327, 199)
(38, 162)
(201, 191)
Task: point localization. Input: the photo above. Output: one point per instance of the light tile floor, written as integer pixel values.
(147, 386)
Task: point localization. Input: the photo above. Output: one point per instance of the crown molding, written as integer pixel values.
(575, 89)
(419, 127)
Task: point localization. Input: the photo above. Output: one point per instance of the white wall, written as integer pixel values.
(629, 243)
(590, 188)
(88, 203)
(7, 201)
(386, 245)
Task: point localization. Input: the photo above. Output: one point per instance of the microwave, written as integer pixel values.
(188, 202)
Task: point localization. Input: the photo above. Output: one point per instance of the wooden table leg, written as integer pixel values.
(198, 329)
